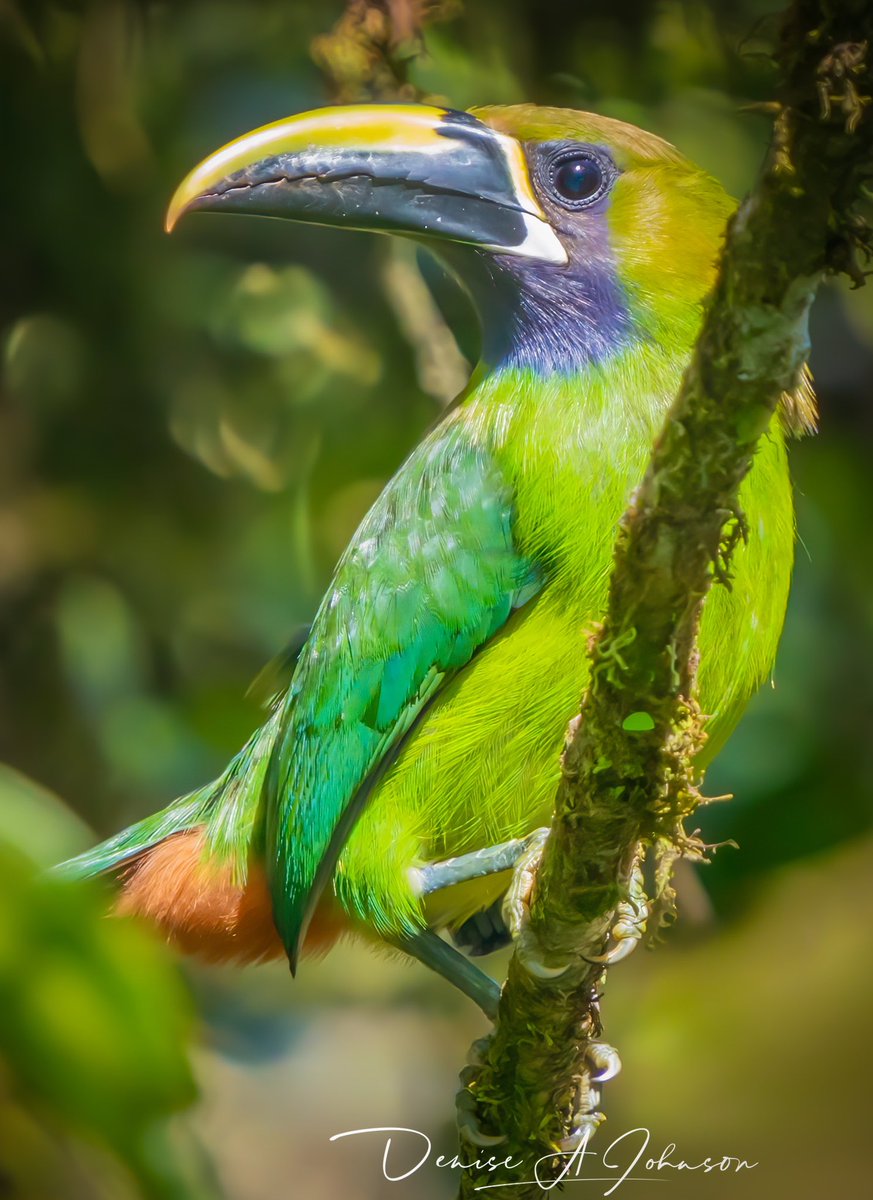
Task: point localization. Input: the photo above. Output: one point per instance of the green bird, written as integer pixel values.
(400, 776)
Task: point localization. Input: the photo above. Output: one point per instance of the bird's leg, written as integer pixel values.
(429, 948)
(484, 931)
(433, 877)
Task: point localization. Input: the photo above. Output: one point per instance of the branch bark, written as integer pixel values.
(532, 1087)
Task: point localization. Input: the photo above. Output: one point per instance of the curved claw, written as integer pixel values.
(605, 1059)
(538, 969)
(632, 915)
(468, 1125)
(468, 1129)
(583, 1132)
(619, 952)
(622, 950)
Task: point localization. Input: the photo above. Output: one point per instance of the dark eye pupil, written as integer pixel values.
(578, 178)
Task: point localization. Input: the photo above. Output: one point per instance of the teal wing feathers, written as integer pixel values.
(431, 574)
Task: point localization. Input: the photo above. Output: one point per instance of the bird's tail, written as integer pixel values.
(193, 869)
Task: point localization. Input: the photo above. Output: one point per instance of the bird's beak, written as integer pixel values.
(427, 172)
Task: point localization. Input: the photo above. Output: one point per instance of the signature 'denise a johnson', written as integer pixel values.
(628, 1158)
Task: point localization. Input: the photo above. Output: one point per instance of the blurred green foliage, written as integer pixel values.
(92, 1042)
(190, 429)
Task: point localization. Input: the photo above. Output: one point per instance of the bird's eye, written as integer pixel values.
(578, 179)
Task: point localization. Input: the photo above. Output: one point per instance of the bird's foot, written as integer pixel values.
(631, 918)
(516, 907)
(600, 1063)
(516, 902)
(469, 1127)
(631, 914)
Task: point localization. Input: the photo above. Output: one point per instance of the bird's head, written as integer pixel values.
(576, 234)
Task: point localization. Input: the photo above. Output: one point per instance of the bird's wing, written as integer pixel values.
(431, 574)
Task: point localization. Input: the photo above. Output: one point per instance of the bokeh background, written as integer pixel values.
(190, 429)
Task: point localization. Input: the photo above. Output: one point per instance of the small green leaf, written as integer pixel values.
(638, 722)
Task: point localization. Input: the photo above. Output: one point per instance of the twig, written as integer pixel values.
(366, 55)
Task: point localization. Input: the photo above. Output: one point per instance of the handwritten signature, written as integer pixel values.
(627, 1159)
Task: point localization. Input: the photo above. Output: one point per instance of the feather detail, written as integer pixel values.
(195, 902)
(429, 578)
(799, 409)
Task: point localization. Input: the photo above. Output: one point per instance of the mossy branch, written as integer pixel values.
(532, 1088)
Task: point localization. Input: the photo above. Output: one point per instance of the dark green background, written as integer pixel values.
(190, 429)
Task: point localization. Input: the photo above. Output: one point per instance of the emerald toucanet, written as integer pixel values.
(426, 712)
